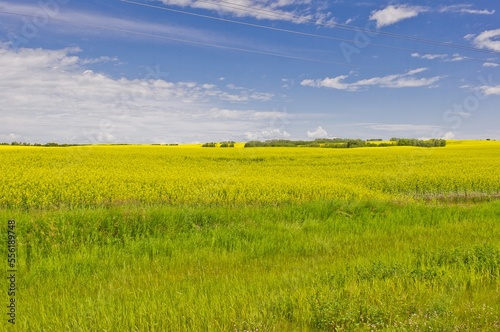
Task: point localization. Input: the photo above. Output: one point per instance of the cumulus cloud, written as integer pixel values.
(267, 133)
(488, 39)
(405, 80)
(395, 13)
(318, 133)
(51, 95)
(490, 90)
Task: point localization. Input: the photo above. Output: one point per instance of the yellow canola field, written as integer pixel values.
(86, 176)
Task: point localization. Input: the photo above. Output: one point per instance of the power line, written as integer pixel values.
(344, 26)
(191, 42)
(283, 30)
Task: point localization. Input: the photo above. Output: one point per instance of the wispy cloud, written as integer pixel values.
(445, 57)
(465, 9)
(478, 12)
(395, 13)
(405, 80)
(490, 64)
(331, 83)
(295, 11)
(246, 114)
(98, 24)
(457, 57)
(429, 56)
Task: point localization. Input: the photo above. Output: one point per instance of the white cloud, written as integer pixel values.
(465, 9)
(415, 71)
(295, 11)
(478, 12)
(98, 60)
(453, 8)
(429, 56)
(406, 80)
(49, 95)
(401, 127)
(93, 24)
(490, 64)
(449, 135)
(267, 133)
(331, 83)
(457, 57)
(395, 13)
(490, 90)
(318, 133)
(246, 114)
(488, 39)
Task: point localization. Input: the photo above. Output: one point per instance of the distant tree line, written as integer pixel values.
(36, 144)
(227, 144)
(433, 142)
(344, 143)
(320, 142)
(341, 143)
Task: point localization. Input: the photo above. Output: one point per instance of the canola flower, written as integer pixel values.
(86, 176)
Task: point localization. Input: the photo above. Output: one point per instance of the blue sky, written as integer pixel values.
(182, 71)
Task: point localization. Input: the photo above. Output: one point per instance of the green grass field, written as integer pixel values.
(376, 239)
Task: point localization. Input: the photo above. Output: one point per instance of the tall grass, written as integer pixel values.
(319, 266)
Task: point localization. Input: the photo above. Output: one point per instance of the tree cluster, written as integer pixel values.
(226, 144)
(433, 142)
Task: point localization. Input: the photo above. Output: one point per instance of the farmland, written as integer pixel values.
(174, 238)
